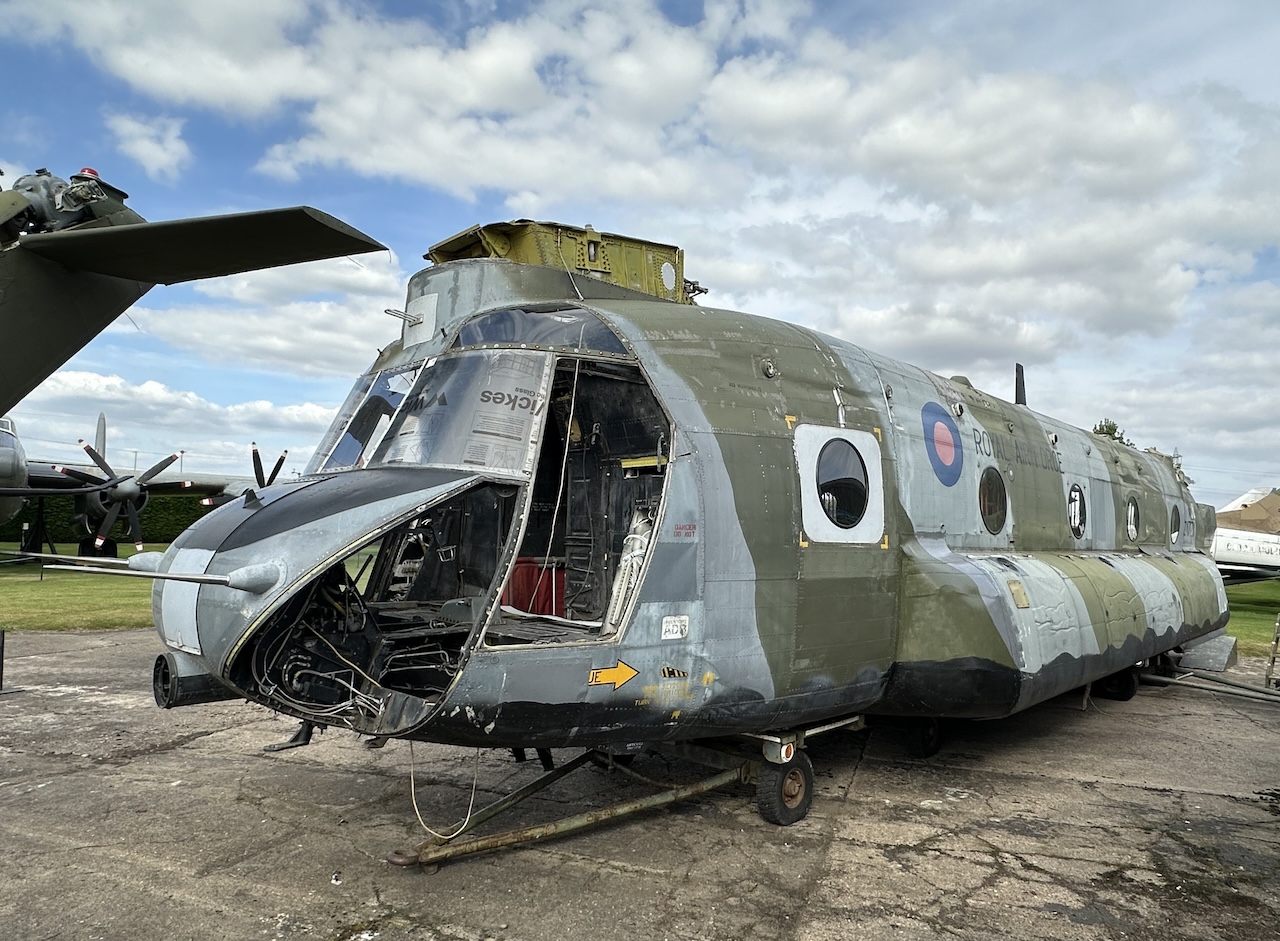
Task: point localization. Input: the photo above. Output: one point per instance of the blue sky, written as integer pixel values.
(1086, 188)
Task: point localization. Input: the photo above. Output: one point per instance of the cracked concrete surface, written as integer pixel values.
(1155, 819)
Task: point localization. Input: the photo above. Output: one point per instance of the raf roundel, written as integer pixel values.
(942, 442)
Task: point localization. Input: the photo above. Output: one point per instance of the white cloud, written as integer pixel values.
(334, 339)
(234, 56)
(957, 187)
(320, 319)
(147, 421)
(155, 143)
(372, 279)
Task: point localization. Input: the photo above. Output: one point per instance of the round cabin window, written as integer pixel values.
(1175, 526)
(842, 483)
(993, 501)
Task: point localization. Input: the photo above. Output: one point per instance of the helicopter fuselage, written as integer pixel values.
(544, 519)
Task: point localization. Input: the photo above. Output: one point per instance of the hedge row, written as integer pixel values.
(163, 518)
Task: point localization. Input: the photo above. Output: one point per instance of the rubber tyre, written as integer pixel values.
(784, 793)
(1119, 687)
(924, 737)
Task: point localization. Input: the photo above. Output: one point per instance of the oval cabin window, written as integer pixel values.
(1077, 515)
(1131, 519)
(1175, 526)
(842, 483)
(993, 501)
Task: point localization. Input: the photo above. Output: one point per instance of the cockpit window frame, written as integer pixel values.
(510, 419)
(537, 315)
(365, 391)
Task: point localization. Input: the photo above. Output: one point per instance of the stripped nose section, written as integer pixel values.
(263, 593)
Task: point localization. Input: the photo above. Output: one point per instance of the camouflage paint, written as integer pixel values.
(751, 616)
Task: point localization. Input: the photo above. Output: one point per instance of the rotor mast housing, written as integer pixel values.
(650, 267)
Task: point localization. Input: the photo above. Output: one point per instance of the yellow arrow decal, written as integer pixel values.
(617, 675)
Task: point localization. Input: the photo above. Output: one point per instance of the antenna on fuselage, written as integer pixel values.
(1019, 385)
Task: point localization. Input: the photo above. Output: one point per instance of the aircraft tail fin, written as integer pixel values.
(188, 249)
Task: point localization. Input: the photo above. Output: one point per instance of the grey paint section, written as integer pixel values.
(731, 639)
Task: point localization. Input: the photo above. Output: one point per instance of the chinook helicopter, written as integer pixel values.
(569, 507)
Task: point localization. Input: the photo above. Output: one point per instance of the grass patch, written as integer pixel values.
(1254, 607)
(36, 600)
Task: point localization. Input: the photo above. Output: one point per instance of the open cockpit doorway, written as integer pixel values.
(559, 466)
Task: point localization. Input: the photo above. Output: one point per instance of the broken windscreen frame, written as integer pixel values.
(364, 418)
(479, 410)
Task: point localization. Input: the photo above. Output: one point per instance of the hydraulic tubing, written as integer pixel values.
(1259, 696)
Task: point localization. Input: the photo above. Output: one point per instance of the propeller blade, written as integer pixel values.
(97, 458)
(107, 522)
(275, 471)
(157, 469)
(257, 466)
(81, 476)
(135, 526)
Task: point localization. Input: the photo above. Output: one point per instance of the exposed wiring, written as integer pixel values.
(339, 655)
(413, 796)
(572, 280)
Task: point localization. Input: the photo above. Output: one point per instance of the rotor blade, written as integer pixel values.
(275, 471)
(135, 526)
(186, 249)
(107, 522)
(257, 466)
(157, 468)
(82, 476)
(97, 458)
(100, 434)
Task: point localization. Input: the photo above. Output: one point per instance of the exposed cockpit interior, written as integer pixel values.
(545, 545)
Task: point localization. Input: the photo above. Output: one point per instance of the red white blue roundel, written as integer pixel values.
(942, 442)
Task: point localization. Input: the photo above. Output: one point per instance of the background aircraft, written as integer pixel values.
(1246, 544)
(17, 482)
(102, 495)
(73, 257)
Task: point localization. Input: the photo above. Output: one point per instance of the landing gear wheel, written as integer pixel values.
(785, 792)
(924, 737)
(1120, 687)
